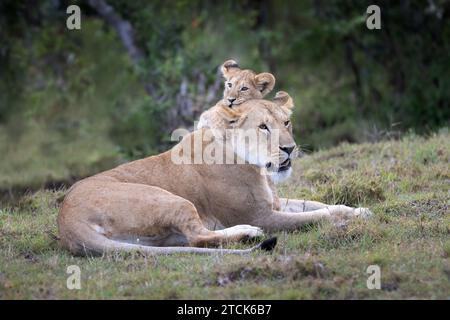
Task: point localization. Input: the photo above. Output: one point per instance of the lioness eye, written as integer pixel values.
(244, 89)
(229, 84)
(287, 123)
(263, 127)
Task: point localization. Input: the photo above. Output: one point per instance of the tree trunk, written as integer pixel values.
(187, 106)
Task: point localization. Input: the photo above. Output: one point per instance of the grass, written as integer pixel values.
(405, 183)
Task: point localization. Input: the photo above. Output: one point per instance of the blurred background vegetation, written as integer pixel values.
(73, 102)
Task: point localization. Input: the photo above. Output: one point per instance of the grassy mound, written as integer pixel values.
(405, 183)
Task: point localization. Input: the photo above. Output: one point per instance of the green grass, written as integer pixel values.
(405, 183)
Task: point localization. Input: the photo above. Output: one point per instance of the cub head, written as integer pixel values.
(261, 134)
(243, 84)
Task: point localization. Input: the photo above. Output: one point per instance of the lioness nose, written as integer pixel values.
(288, 150)
(231, 100)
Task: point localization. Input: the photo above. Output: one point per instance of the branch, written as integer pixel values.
(186, 106)
(123, 28)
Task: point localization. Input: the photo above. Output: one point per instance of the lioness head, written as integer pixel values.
(262, 134)
(242, 85)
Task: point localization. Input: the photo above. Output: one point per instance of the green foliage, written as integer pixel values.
(137, 129)
(66, 124)
(62, 90)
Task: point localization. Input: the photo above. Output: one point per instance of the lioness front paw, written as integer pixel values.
(341, 212)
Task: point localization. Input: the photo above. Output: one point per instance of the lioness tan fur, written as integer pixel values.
(240, 85)
(155, 205)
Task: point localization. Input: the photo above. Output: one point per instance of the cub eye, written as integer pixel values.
(244, 89)
(287, 123)
(263, 127)
(229, 85)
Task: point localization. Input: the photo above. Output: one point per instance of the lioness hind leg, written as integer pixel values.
(127, 213)
(240, 232)
(191, 226)
(205, 238)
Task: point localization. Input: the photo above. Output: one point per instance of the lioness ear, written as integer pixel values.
(283, 99)
(265, 82)
(228, 68)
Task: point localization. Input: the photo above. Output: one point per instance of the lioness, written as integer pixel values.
(240, 85)
(157, 206)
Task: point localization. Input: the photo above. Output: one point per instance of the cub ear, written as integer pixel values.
(228, 68)
(283, 99)
(265, 82)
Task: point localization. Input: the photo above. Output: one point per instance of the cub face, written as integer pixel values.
(242, 85)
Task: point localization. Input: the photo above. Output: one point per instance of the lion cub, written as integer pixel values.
(240, 85)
